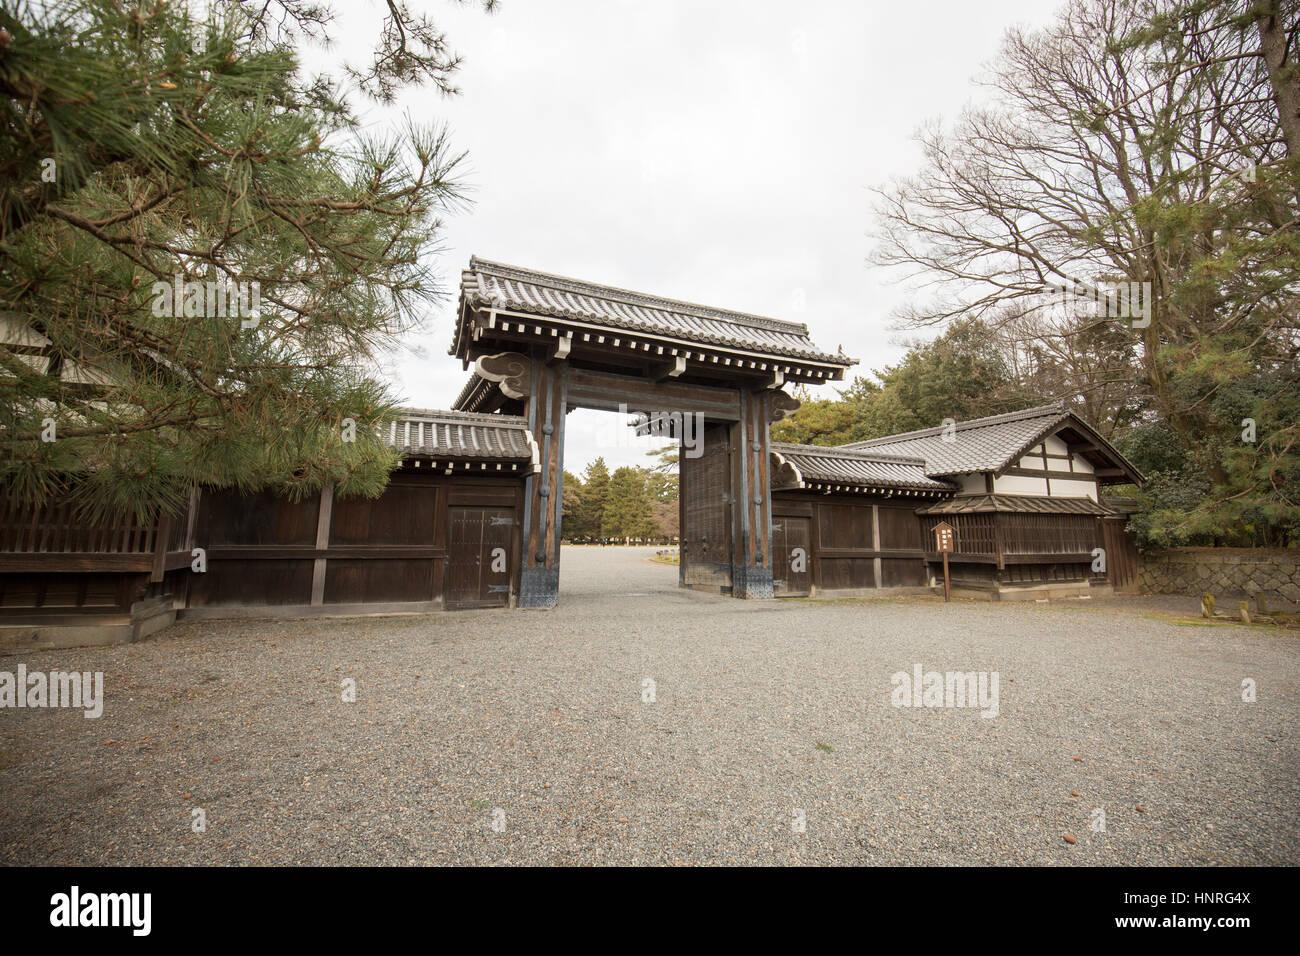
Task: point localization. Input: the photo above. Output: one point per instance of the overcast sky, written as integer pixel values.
(717, 152)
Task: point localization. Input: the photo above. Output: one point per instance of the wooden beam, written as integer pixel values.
(676, 368)
(560, 350)
(606, 391)
(780, 406)
(76, 561)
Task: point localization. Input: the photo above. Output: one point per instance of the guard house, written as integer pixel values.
(1022, 491)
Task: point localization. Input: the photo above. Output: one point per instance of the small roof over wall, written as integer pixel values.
(818, 468)
(464, 437)
(1015, 504)
(997, 442)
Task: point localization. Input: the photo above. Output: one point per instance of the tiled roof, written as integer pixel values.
(1019, 504)
(992, 443)
(981, 444)
(494, 285)
(439, 434)
(819, 464)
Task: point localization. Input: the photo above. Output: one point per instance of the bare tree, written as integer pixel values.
(1133, 141)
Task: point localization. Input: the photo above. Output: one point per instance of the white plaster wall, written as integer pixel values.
(1061, 488)
(1055, 446)
(1019, 485)
(1082, 464)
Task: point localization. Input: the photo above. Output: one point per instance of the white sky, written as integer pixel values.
(717, 152)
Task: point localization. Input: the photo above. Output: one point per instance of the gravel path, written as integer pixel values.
(762, 709)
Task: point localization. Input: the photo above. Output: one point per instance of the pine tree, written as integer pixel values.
(151, 149)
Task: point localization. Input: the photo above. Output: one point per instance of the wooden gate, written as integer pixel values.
(1121, 553)
(480, 567)
(706, 499)
(791, 557)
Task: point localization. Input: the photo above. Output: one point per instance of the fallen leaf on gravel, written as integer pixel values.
(1068, 839)
(1074, 793)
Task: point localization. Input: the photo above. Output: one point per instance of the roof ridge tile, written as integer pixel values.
(631, 297)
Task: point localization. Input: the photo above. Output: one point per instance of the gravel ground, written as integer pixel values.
(762, 709)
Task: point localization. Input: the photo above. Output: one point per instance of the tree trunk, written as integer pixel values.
(1281, 72)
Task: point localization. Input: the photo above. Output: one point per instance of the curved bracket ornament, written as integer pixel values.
(781, 405)
(784, 473)
(510, 370)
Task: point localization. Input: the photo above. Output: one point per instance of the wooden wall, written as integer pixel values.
(325, 551)
(1002, 550)
(53, 563)
(858, 542)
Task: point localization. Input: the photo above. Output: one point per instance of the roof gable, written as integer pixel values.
(994, 443)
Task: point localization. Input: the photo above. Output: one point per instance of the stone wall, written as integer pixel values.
(1222, 571)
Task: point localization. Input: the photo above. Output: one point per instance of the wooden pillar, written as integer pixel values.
(681, 505)
(162, 535)
(876, 569)
(751, 499)
(539, 574)
(324, 516)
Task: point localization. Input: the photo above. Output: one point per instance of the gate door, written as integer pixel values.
(791, 557)
(706, 500)
(479, 569)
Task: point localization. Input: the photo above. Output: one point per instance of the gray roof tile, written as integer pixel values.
(1017, 504)
(440, 434)
(817, 463)
(492, 284)
(980, 444)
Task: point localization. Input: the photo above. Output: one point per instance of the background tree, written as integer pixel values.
(571, 506)
(1136, 141)
(593, 492)
(961, 374)
(667, 520)
(627, 511)
(146, 144)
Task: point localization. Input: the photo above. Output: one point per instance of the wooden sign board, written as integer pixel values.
(945, 541)
(945, 537)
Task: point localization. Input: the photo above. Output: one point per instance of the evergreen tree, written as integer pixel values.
(595, 491)
(627, 511)
(154, 147)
